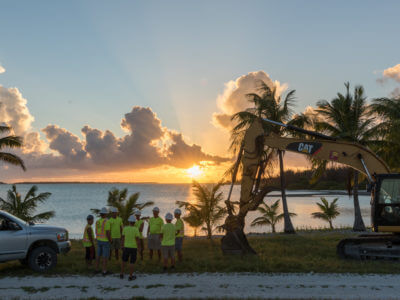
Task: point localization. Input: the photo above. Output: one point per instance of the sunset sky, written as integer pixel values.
(142, 90)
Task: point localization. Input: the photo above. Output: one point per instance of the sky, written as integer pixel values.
(140, 90)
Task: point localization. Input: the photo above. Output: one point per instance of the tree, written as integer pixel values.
(270, 215)
(194, 220)
(347, 117)
(207, 205)
(126, 206)
(25, 207)
(10, 141)
(267, 104)
(328, 211)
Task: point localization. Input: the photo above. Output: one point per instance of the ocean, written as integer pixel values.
(72, 203)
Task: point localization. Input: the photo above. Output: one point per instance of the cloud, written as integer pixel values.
(234, 97)
(2, 69)
(392, 74)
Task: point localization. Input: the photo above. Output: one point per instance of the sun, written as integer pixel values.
(194, 171)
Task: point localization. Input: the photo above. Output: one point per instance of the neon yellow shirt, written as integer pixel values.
(86, 241)
(180, 226)
(130, 234)
(116, 224)
(155, 225)
(168, 231)
(102, 226)
(137, 225)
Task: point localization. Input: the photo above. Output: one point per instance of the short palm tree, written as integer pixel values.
(270, 215)
(25, 207)
(347, 117)
(208, 205)
(268, 105)
(126, 206)
(194, 220)
(10, 141)
(328, 211)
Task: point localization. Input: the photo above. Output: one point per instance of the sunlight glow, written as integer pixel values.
(194, 171)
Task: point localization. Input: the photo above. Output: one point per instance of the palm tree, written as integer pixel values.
(328, 211)
(207, 206)
(271, 106)
(126, 206)
(270, 215)
(25, 207)
(347, 118)
(10, 141)
(388, 110)
(194, 220)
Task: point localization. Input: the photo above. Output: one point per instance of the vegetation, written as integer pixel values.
(347, 117)
(207, 206)
(10, 141)
(193, 219)
(126, 206)
(304, 252)
(25, 207)
(328, 211)
(270, 215)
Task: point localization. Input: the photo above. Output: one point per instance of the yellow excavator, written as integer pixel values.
(383, 185)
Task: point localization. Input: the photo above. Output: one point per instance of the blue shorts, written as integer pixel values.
(103, 249)
(178, 243)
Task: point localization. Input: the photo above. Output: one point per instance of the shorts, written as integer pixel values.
(116, 244)
(168, 251)
(178, 243)
(129, 253)
(90, 253)
(154, 242)
(103, 249)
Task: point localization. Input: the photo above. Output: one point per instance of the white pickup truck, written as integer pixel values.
(32, 244)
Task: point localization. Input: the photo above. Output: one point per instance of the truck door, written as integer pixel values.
(13, 239)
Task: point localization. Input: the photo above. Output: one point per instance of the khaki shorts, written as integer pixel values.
(116, 244)
(168, 251)
(154, 242)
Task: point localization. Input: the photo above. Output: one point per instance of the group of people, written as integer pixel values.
(111, 235)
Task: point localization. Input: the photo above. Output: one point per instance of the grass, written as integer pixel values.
(303, 252)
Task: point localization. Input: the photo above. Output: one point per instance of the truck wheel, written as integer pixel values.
(42, 259)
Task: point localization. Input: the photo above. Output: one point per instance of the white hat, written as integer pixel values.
(156, 209)
(178, 211)
(113, 209)
(132, 219)
(104, 211)
(168, 216)
(138, 213)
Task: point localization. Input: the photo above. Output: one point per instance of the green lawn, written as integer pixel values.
(304, 252)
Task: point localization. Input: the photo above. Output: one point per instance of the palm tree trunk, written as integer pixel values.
(273, 228)
(358, 220)
(330, 224)
(209, 233)
(288, 226)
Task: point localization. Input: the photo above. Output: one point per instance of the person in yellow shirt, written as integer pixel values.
(140, 225)
(153, 233)
(130, 242)
(180, 233)
(116, 225)
(88, 241)
(103, 236)
(168, 233)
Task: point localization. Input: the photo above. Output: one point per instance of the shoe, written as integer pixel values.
(165, 269)
(172, 268)
(121, 276)
(133, 277)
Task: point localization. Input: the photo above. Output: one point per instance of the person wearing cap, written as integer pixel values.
(153, 233)
(130, 242)
(180, 232)
(168, 233)
(116, 226)
(103, 236)
(140, 225)
(88, 241)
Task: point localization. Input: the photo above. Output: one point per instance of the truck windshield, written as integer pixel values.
(10, 216)
(390, 191)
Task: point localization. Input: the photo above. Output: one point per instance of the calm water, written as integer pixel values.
(72, 203)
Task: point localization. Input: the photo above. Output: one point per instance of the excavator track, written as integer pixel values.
(370, 246)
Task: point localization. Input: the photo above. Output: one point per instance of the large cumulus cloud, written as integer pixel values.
(234, 97)
(391, 74)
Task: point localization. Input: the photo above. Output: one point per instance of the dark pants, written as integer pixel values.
(129, 253)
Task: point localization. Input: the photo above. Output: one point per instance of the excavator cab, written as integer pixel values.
(385, 203)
